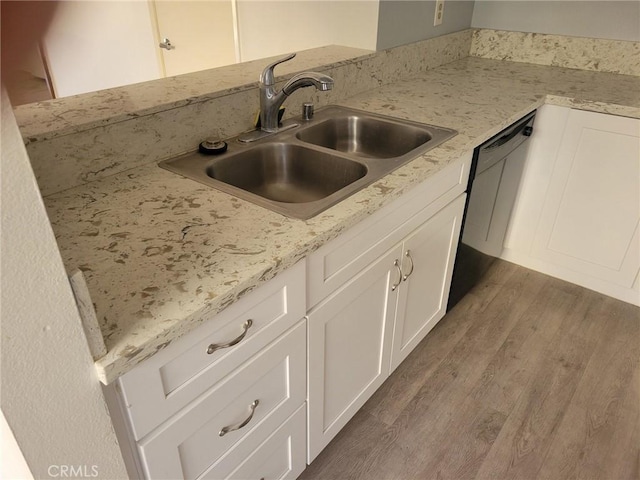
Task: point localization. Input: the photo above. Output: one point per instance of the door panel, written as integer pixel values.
(590, 218)
(202, 32)
(423, 296)
(349, 346)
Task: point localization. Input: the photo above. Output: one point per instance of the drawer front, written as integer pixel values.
(162, 385)
(332, 265)
(259, 396)
(278, 457)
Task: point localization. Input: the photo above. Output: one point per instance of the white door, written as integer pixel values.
(428, 259)
(201, 32)
(589, 222)
(349, 347)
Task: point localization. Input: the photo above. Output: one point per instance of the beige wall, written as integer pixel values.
(49, 393)
(268, 28)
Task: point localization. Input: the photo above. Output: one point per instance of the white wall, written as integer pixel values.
(612, 19)
(100, 44)
(13, 466)
(268, 28)
(51, 397)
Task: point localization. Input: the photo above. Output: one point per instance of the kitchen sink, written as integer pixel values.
(366, 136)
(310, 165)
(288, 173)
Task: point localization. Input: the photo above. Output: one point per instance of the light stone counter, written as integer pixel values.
(64, 116)
(161, 253)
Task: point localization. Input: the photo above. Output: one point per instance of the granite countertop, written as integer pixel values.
(161, 253)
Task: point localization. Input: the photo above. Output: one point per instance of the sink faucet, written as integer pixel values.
(271, 100)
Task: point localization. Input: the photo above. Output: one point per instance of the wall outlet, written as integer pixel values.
(437, 18)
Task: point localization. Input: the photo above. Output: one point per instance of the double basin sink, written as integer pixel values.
(310, 165)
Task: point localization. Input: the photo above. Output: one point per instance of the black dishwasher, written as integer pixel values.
(496, 170)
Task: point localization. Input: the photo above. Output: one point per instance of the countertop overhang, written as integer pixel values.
(161, 253)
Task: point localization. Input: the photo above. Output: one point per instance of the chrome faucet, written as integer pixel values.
(271, 100)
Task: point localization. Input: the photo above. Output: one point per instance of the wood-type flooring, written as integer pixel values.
(528, 377)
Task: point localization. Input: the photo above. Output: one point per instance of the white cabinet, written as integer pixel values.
(363, 330)
(582, 185)
(589, 222)
(282, 456)
(349, 348)
(227, 399)
(428, 255)
(336, 262)
(164, 384)
(252, 401)
(255, 392)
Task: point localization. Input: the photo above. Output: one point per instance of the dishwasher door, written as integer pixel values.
(495, 177)
(491, 201)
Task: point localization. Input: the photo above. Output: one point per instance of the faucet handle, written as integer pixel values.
(266, 77)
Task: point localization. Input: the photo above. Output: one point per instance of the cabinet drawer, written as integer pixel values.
(332, 265)
(162, 385)
(258, 397)
(281, 456)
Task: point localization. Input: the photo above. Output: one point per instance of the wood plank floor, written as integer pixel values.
(528, 377)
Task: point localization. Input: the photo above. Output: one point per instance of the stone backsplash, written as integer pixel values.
(596, 54)
(76, 140)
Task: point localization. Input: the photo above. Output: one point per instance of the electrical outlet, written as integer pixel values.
(437, 18)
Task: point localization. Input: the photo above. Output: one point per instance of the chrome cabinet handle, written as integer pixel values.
(217, 346)
(408, 255)
(232, 428)
(396, 264)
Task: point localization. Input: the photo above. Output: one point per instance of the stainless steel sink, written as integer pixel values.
(285, 172)
(312, 165)
(366, 136)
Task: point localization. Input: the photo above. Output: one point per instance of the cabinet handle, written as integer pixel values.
(408, 255)
(396, 264)
(232, 428)
(217, 346)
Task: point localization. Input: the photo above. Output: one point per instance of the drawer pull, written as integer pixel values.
(408, 255)
(232, 428)
(395, 285)
(217, 346)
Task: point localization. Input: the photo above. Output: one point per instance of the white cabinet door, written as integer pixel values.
(589, 222)
(428, 258)
(335, 263)
(349, 346)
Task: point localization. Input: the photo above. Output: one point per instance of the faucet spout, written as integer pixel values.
(271, 100)
(308, 79)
